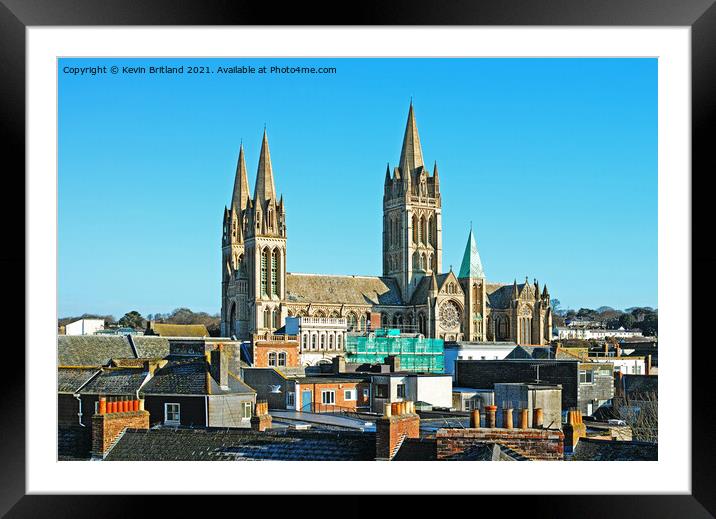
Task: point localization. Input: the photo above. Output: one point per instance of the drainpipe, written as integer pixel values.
(79, 413)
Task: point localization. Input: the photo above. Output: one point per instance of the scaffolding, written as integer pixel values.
(415, 352)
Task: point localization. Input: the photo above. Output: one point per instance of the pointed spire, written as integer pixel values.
(265, 189)
(515, 293)
(411, 155)
(471, 266)
(240, 198)
(387, 174)
(545, 292)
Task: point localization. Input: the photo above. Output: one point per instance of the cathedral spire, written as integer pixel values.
(411, 155)
(471, 264)
(265, 189)
(240, 198)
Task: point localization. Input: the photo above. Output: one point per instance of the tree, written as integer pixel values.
(627, 321)
(132, 319)
(641, 413)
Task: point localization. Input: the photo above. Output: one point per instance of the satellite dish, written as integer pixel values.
(275, 389)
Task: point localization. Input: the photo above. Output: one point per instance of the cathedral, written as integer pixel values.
(413, 294)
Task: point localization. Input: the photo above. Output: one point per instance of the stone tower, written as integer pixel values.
(266, 251)
(472, 280)
(234, 279)
(412, 221)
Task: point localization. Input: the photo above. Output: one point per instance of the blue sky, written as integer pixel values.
(553, 160)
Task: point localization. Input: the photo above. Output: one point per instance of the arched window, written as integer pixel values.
(269, 219)
(423, 262)
(272, 358)
(304, 341)
(430, 230)
(363, 323)
(422, 324)
(313, 341)
(422, 230)
(323, 342)
(319, 313)
(264, 273)
(384, 320)
(351, 321)
(335, 314)
(232, 319)
(338, 341)
(274, 272)
(276, 318)
(430, 262)
(415, 229)
(416, 260)
(282, 358)
(330, 342)
(267, 317)
(258, 220)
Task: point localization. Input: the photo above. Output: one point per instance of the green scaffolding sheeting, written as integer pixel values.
(414, 353)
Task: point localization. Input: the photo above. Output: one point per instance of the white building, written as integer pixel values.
(320, 338)
(475, 351)
(571, 332)
(84, 327)
(625, 365)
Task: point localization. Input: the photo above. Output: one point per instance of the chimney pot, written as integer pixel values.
(103, 405)
(141, 404)
(537, 418)
(507, 418)
(491, 416)
(475, 419)
(524, 418)
(387, 409)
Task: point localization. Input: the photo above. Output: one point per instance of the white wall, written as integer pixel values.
(84, 327)
(435, 390)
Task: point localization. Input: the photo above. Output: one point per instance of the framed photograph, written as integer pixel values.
(412, 235)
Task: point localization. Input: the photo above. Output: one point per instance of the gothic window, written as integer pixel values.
(264, 273)
(258, 220)
(276, 318)
(384, 320)
(274, 272)
(351, 321)
(335, 314)
(232, 320)
(319, 313)
(502, 327)
(363, 323)
(430, 230)
(422, 230)
(423, 262)
(415, 229)
(422, 328)
(450, 315)
(269, 219)
(416, 260)
(267, 317)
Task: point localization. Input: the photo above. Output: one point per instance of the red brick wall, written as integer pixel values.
(261, 351)
(389, 430)
(319, 406)
(107, 427)
(536, 444)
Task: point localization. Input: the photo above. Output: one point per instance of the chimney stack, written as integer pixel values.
(574, 429)
(219, 367)
(399, 421)
(261, 420)
(114, 416)
(537, 418)
(490, 416)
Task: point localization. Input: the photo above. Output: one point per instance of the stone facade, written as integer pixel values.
(412, 294)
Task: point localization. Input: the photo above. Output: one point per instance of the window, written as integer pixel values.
(351, 321)
(350, 394)
(323, 342)
(264, 274)
(338, 342)
(382, 391)
(246, 409)
(313, 341)
(272, 358)
(267, 317)
(274, 272)
(401, 390)
(328, 396)
(304, 342)
(586, 377)
(282, 358)
(276, 318)
(468, 405)
(366, 393)
(362, 323)
(290, 399)
(171, 414)
(330, 342)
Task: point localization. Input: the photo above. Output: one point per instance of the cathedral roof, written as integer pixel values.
(499, 295)
(471, 264)
(357, 290)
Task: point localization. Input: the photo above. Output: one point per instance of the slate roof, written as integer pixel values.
(487, 452)
(499, 295)
(71, 379)
(74, 443)
(360, 290)
(91, 350)
(180, 330)
(212, 444)
(151, 346)
(116, 381)
(190, 376)
(588, 449)
(420, 295)
(417, 449)
(539, 352)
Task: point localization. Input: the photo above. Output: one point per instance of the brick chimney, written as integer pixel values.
(261, 420)
(113, 418)
(574, 429)
(219, 366)
(399, 421)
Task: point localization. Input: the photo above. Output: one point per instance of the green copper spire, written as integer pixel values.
(471, 265)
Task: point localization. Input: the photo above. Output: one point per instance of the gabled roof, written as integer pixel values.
(91, 350)
(69, 380)
(356, 290)
(498, 295)
(211, 444)
(151, 346)
(191, 376)
(116, 381)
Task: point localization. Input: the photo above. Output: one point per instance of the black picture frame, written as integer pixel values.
(700, 15)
